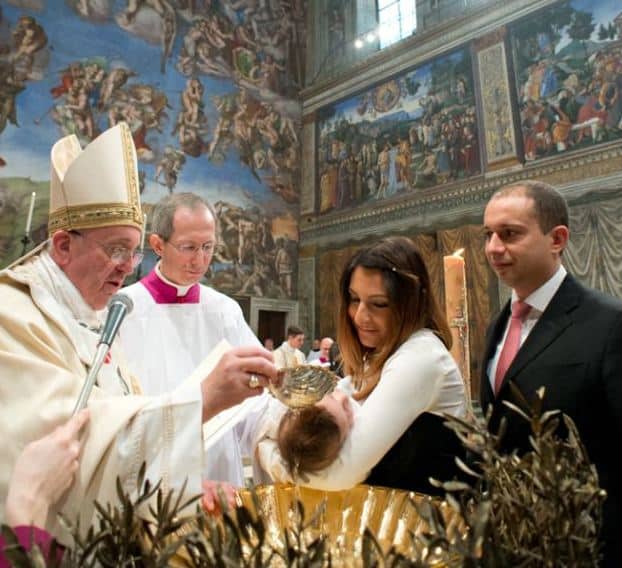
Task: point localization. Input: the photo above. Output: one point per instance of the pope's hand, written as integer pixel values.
(241, 373)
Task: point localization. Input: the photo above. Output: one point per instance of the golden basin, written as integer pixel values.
(343, 516)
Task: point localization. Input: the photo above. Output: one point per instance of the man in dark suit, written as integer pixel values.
(553, 333)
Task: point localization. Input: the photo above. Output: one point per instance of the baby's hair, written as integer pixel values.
(309, 440)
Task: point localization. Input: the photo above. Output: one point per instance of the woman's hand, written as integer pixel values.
(213, 492)
(43, 472)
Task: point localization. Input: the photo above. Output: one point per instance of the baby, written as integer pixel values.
(309, 439)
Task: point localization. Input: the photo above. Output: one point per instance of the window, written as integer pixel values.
(396, 19)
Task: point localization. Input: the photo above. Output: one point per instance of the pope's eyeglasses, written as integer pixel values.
(189, 250)
(117, 254)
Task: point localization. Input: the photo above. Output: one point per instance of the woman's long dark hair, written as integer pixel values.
(412, 305)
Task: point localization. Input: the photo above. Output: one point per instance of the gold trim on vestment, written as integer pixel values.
(94, 216)
(131, 173)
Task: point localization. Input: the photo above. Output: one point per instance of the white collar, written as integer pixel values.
(181, 290)
(64, 290)
(540, 298)
(287, 347)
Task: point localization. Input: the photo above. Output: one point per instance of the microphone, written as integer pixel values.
(118, 307)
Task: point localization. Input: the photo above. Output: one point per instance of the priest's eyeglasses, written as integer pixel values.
(189, 250)
(118, 254)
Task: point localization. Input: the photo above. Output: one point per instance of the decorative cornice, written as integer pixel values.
(490, 39)
(593, 171)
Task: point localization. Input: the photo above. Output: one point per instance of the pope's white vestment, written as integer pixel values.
(46, 345)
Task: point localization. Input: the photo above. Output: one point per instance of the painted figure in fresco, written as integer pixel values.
(246, 9)
(228, 216)
(246, 233)
(244, 36)
(442, 159)
(28, 38)
(10, 87)
(170, 166)
(256, 284)
(83, 8)
(393, 167)
(17, 65)
(290, 158)
(591, 119)
(326, 198)
(267, 126)
(94, 75)
(461, 89)
(428, 166)
(344, 178)
(470, 151)
(384, 164)
(68, 76)
(169, 31)
(187, 60)
(79, 109)
(244, 117)
(191, 122)
(268, 74)
(223, 134)
(561, 129)
(284, 266)
(94, 10)
(168, 22)
(116, 78)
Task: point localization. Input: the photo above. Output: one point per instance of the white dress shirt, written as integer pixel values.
(539, 299)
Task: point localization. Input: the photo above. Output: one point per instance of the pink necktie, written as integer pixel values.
(512, 341)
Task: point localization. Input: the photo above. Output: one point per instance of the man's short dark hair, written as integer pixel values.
(294, 330)
(549, 205)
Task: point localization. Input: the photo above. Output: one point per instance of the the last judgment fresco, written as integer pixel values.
(209, 91)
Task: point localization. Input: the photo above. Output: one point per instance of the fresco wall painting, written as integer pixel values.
(562, 92)
(568, 61)
(414, 131)
(209, 90)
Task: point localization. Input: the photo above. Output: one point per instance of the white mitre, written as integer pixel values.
(97, 186)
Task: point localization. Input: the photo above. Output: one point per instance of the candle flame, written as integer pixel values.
(458, 253)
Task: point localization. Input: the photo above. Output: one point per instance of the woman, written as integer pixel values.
(394, 343)
(42, 474)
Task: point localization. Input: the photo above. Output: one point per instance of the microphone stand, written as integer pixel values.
(25, 240)
(89, 382)
(120, 305)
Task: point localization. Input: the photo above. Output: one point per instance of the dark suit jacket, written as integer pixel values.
(575, 351)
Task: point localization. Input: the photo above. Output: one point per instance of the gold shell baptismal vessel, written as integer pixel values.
(343, 517)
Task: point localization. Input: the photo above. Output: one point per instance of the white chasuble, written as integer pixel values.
(46, 347)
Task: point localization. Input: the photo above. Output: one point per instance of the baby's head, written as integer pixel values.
(309, 439)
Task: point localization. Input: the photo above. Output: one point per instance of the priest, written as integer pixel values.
(177, 321)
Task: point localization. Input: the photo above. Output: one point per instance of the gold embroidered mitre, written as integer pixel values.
(97, 186)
